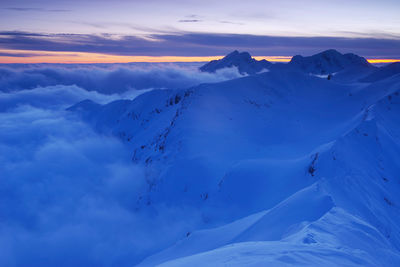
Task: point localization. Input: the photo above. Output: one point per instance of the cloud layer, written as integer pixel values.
(108, 78)
(68, 194)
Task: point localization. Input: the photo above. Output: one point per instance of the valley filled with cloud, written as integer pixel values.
(68, 193)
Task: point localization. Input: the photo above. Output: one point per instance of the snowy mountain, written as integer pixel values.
(346, 218)
(243, 61)
(328, 62)
(280, 168)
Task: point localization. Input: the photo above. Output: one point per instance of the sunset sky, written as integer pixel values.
(158, 30)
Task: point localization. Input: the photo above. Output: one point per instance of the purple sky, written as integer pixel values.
(201, 28)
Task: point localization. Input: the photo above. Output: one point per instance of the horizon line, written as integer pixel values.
(51, 57)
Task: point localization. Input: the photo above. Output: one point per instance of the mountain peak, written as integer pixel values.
(234, 53)
(242, 60)
(330, 52)
(238, 55)
(328, 61)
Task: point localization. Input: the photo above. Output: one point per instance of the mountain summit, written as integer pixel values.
(242, 60)
(328, 61)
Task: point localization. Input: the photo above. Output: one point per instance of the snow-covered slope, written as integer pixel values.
(348, 217)
(243, 61)
(284, 167)
(383, 72)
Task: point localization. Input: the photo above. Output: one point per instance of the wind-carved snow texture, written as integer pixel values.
(297, 166)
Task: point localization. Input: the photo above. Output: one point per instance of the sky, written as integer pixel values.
(158, 30)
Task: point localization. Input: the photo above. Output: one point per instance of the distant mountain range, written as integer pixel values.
(324, 63)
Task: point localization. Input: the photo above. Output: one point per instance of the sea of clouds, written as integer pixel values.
(68, 193)
(108, 78)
